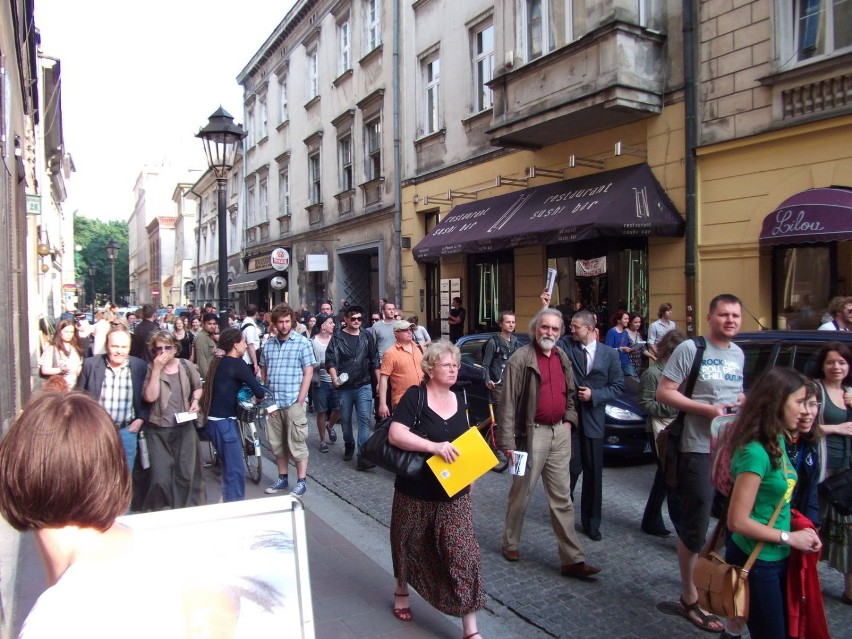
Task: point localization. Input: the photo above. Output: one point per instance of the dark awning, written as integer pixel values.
(248, 281)
(626, 202)
(815, 215)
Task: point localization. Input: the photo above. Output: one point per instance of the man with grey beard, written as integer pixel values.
(536, 415)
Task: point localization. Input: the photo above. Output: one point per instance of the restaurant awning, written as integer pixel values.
(815, 215)
(626, 202)
(248, 281)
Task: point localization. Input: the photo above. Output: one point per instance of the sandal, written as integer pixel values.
(403, 614)
(698, 618)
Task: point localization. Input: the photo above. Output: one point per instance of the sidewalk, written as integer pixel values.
(352, 580)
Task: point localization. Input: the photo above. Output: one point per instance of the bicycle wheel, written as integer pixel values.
(502, 460)
(487, 429)
(254, 468)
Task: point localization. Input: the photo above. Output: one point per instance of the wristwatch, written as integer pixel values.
(785, 537)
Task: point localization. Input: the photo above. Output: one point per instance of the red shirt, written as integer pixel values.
(553, 394)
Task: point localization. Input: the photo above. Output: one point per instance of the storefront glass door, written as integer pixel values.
(803, 283)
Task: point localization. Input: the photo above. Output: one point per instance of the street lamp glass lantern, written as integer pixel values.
(221, 139)
(112, 248)
(92, 270)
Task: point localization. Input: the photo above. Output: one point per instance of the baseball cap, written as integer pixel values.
(402, 325)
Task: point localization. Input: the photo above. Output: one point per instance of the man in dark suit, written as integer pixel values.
(116, 380)
(142, 332)
(598, 379)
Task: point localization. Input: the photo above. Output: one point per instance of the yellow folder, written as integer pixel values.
(474, 460)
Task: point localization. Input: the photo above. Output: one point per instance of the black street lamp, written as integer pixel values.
(221, 138)
(112, 248)
(93, 270)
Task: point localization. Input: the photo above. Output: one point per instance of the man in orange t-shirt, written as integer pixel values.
(400, 365)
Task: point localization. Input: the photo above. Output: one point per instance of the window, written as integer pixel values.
(261, 119)
(483, 67)
(345, 43)
(373, 22)
(314, 178)
(431, 80)
(251, 211)
(250, 133)
(313, 74)
(282, 99)
(283, 192)
(546, 25)
(821, 27)
(373, 144)
(263, 211)
(344, 152)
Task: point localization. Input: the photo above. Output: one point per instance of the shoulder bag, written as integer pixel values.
(722, 587)
(837, 491)
(668, 441)
(405, 463)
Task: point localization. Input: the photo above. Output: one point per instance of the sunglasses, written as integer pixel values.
(356, 319)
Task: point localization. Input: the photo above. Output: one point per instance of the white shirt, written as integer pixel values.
(252, 335)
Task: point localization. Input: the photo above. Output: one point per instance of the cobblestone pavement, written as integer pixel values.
(638, 570)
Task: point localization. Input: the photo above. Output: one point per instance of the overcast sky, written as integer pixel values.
(140, 79)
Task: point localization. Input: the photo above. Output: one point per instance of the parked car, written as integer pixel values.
(624, 433)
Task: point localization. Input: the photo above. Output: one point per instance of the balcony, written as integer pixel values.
(612, 76)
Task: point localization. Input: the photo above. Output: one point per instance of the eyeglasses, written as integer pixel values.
(160, 349)
(356, 319)
(450, 367)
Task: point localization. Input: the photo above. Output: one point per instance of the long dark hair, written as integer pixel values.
(228, 338)
(762, 417)
(59, 344)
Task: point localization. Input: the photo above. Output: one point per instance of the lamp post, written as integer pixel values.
(112, 253)
(93, 270)
(221, 139)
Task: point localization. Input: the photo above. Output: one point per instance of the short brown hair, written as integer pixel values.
(282, 309)
(62, 463)
(163, 336)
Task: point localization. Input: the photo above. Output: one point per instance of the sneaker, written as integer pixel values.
(279, 485)
(348, 452)
(332, 435)
(300, 489)
(323, 447)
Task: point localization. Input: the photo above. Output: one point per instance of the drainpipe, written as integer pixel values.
(397, 160)
(690, 70)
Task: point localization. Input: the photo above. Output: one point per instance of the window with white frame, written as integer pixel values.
(250, 132)
(821, 28)
(284, 112)
(546, 24)
(314, 178)
(373, 148)
(263, 210)
(482, 40)
(344, 39)
(344, 156)
(431, 66)
(313, 73)
(283, 192)
(261, 118)
(251, 205)
(373, 23)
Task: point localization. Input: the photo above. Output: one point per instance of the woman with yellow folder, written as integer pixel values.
(433, 544)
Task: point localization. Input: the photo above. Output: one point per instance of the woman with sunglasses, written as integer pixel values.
(173, 387)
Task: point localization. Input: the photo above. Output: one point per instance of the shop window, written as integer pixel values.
(802, 279)
(491, 277)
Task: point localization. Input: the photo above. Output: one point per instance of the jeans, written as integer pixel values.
(227, 440)
(128, 440)
(360, 398)
(767, 582)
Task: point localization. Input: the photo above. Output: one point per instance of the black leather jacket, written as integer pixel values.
(360, 365)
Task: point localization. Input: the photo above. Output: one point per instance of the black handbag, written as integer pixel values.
(405, 463)
(837, 491)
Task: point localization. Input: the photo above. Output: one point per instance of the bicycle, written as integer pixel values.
(487, 429)
(248, 414)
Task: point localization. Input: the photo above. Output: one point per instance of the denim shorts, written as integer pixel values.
(325, 398)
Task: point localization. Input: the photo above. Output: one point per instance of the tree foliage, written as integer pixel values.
(92, 236)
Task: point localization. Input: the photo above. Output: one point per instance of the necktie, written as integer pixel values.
(587, 363)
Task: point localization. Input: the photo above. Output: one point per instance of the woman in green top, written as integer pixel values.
(762, 477)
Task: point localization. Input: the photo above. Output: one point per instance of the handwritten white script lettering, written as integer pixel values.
(785, 223)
